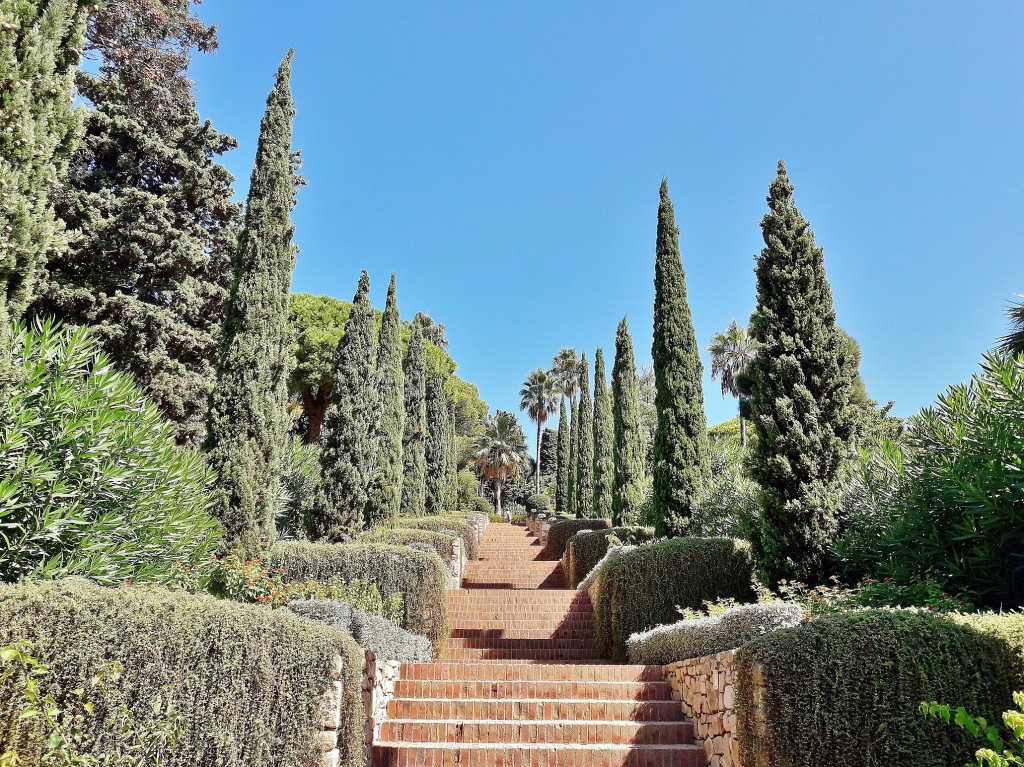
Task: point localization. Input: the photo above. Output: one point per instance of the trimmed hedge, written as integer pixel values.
(247, 680)
(844, 690)
(586, 548)
(447, 524)
(372, 632)
(560, 533)
(643, 588)
(538, 502)
(442, 543)
(697, 637)
(418, 576)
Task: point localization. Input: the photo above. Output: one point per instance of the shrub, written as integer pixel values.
(728, 504)
(538, 502)
(711, 634)
(591, 582)
(450, 525)
(644, 587)
(442, 543)
(1003, 748)
(382, 637)
(561, 531)
(247, 681)
(300, 484)
(845, 689)
(586, 548)
(417, 576)
(481, 504)
(91, 480)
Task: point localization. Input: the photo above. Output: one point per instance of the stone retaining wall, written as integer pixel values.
(706, 688)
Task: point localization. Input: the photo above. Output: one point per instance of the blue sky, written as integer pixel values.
(504, 159)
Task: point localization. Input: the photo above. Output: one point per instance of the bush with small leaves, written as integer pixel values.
(538, 502)
(588, 547)
(562, 530)
(371, 632)
(450, 525)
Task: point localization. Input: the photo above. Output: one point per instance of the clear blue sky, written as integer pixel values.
(504, 159)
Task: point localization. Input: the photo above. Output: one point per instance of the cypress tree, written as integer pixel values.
(627, 447)
(248, 417)
(562, 465)
(450, 499)
(548, 459)
(437, 449)
(574, 443)
(800, 395)
(604, 435)
(681, 439)
(351, 427)
(585, 446)
(385, 491)
(414, 460)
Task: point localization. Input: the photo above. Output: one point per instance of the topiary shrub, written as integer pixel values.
(442, 543)
(482, 505)
(91, 480)
(382, 637)
(591, 581)
(845, 690)
(247, 681)
(419, 577)
(538, 502)
(645, 587)
(711, 634)
(451, 525)
(586, 548)
(561, 531)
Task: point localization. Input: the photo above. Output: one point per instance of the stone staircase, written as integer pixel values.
(520, 686)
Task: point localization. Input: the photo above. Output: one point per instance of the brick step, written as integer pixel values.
(522, 612)
(533, 690)
(588, 709)
(529, 654)
(521, 755)
(557, 583)
(536, 732)
(548, 672)
(551, 595)
(550, 623)
(511, 643)
(527, 631)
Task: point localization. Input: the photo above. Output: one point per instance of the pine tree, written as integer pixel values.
(40, 46)
(604, 436)
(800, 395)
(562, 466)
(413, 455)
(385, 491)
(351, 428)
(681, 440)
(248, 417)
(627, 450)
(437, 450)
(585, 446)
(574, 443)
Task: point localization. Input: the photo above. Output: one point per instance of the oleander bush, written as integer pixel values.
(710, 634)
(247, 681)
(586, 548)
(419, 577)
(442, 543)
(562, 530)
(646, 587)
(91, 480)
(382, 637)
(452, 525)
(845, 689)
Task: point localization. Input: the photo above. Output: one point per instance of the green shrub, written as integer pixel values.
(372, 632)
(419, 577)
(300, 484)
(845, 689)
(560, 532)
(442, 543)
(586, 548)
(645, 587)
(1003, 746)
(728, 504)
(538, 502)
(91, 480)
(451, 525)
(247, 681)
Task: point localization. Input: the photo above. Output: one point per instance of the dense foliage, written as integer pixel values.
(627, 455)
(414, 460)
(562, 465)
(385, 490)
(371, 632)
(317, 324)
(499, 453)
(561, 531)
(439, 451)
(584, 453)
(586, 548)
(450, 525)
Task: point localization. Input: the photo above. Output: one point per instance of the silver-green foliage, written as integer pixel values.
(371, 632)
(91, 481)
(727, 504)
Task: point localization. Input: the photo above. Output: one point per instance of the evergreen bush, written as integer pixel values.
(442, 543)
(371, 632)
(538, 502)
(247, 681)
(446, 524)
(845, 689)
(561, 532)
(586, 548)
(645, 587)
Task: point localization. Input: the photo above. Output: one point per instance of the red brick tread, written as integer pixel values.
(523, 755)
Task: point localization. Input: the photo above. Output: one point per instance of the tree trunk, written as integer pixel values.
(315, 408)
(540, 436)
(497, 498)
(743, 431)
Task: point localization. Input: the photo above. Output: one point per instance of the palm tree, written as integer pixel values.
(731, 352)
(1013, 342)
(566, 370)
(539, 397)
(499, 451)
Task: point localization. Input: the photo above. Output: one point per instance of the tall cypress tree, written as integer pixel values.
(800, 395)
(681, 439)
(549, 459)
(627, 447)
(562, 466)
(350, 437)
(414, 460)
(585, 446)
(248, 417)
(604, 437)
(574, 443)
(437, 449)
(385, 491)
(450, 499)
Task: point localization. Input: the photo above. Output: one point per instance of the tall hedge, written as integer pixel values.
(645, 587)
(587, 547)
(446, 524)
(247, 680)
(560, 533)
(418, 576)
(844, 690)
(443, 543)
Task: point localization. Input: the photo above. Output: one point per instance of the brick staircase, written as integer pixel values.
(520, 686)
